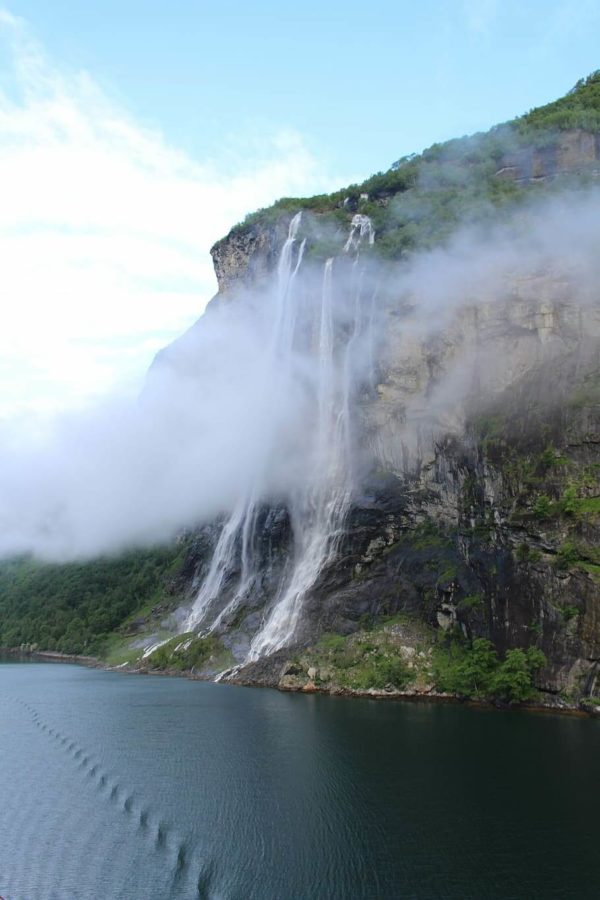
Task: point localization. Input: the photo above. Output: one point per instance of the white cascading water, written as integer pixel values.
(242, 521)
(318, 512)
(360, 227)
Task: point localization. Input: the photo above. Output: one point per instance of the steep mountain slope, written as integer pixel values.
(476, 515)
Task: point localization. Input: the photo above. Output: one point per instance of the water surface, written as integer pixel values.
(131, 788)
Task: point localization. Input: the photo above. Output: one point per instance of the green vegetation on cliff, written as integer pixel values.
(72, 608)
(421, 199)
(473, 670)
(364, 662)
(402, 654)
(549, 487)
(579, 108)
(189, 653)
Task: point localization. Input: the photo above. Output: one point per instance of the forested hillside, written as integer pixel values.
(72, 608)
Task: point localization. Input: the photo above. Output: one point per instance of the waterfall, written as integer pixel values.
(318, 514)
(318, 510)
(360, 227)
(241, 523)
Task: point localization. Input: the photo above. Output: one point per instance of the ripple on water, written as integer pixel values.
(161, 835)
(181, 861)
(91, 838)
(204, 881)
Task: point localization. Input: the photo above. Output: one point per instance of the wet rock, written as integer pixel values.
(292, 668)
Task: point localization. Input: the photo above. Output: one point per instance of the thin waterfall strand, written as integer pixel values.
(318, 514)
(243, 518)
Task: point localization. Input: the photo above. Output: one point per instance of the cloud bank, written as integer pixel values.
(105, 229)
(214, 422)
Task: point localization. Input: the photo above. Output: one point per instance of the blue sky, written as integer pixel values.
(364, 82)
(134, 133)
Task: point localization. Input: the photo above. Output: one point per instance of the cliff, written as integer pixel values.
(485, 521)
(480, 514)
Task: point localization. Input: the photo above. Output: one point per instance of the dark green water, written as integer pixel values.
(116, 786)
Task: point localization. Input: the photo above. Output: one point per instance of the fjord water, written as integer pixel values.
(119, 786)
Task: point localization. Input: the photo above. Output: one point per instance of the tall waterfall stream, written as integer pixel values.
(317, 512)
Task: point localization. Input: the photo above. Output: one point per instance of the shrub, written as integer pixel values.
(566, 556)
(466, 670)
(569, 501)
(512, 682)
(471, 602)
(525, 553)
(547, 458)
(542, 507)
(475, 671)
(379, 672)
(522, 552)
(569, 612)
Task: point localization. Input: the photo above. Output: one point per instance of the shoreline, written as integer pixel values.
(54, 656)
(431, 696)
(559, 707)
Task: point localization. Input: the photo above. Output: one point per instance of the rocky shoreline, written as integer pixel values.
(549, 704)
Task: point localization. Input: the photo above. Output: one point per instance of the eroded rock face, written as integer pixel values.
(570, 151)
(247, 255)
(428, 383)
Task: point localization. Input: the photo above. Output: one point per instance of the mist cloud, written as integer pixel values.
(213, 424)
(556, 236)
(105, 228)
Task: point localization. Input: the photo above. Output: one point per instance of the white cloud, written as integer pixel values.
(105, 229)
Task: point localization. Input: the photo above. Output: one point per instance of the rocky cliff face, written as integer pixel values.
(481, 513)
(576, 151)
(247, 255)
(479, 508)
(486, 519)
